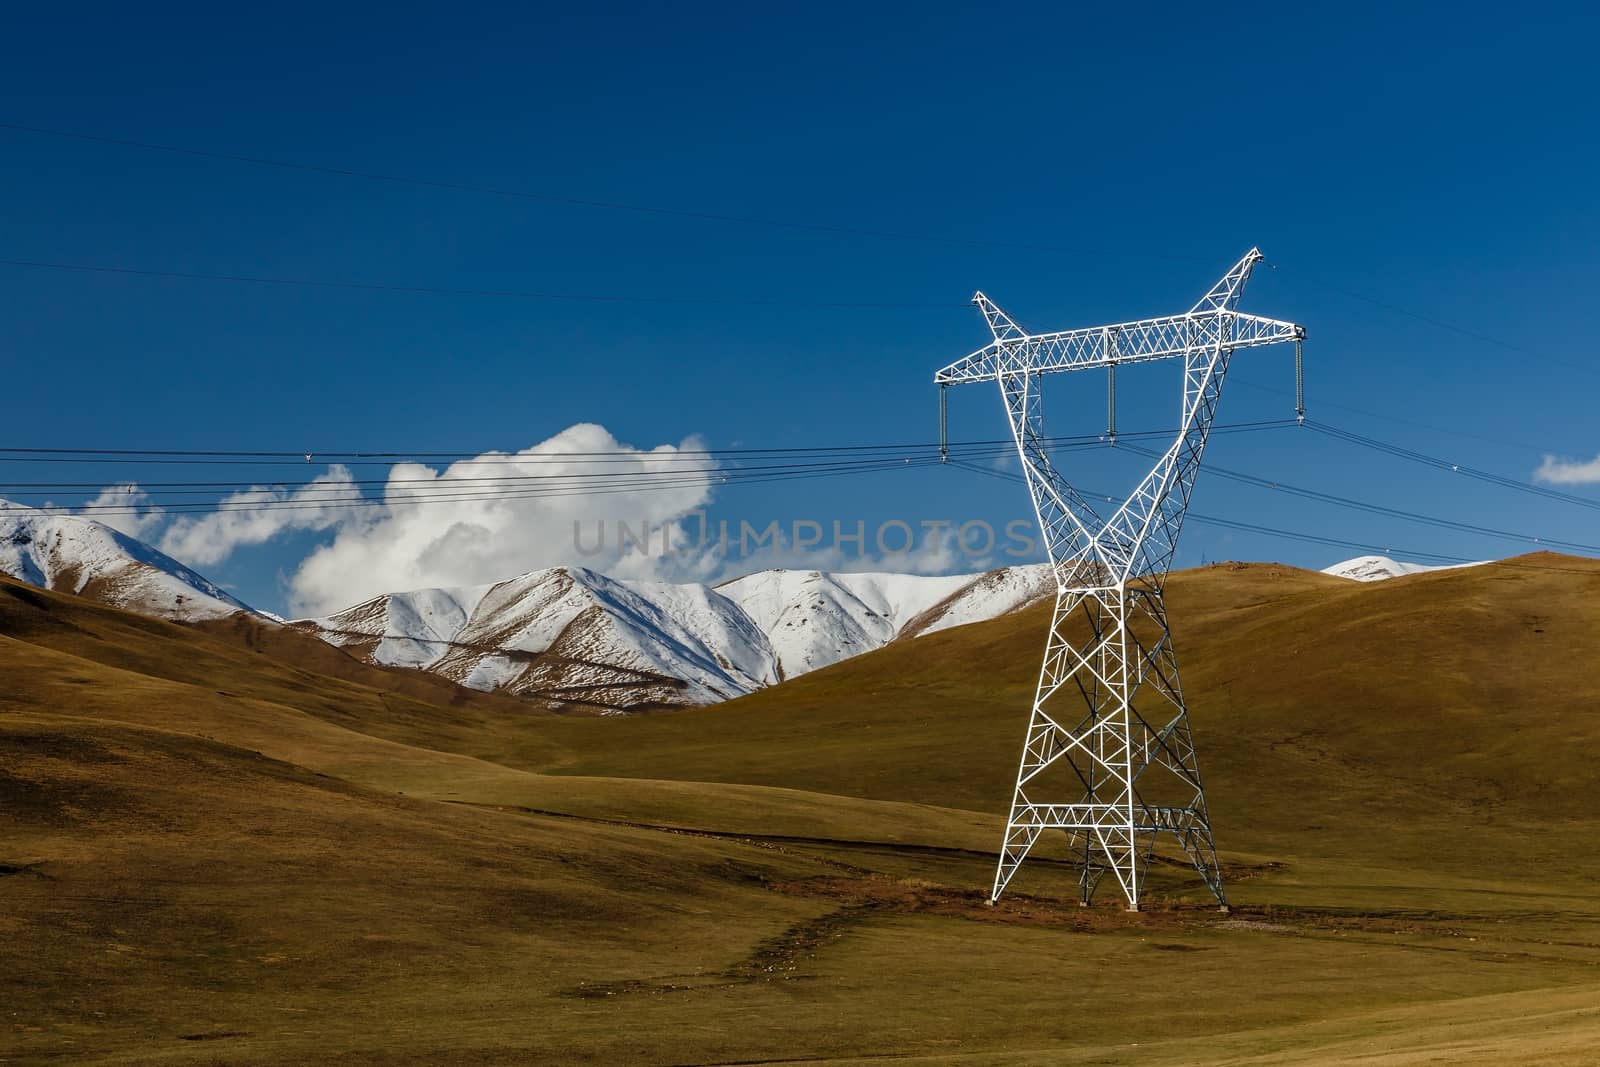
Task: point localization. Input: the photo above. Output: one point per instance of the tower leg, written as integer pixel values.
(1129, 780)
(1170, 752)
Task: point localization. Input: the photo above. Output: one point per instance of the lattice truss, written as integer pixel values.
(1126, 772)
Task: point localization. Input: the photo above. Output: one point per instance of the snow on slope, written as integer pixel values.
(986, 597)
(77, 555)
(567, 634)
(812, 619)
(1378, 568)
(572, 636)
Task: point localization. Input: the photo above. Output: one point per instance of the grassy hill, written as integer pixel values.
(238, 847)
(1430, 707)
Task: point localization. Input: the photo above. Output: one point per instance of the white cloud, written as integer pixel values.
(241, 520)
(123, 508)
(545, 503)
(580, 498)
(1568, 472)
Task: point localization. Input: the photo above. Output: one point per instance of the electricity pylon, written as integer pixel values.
(1133, 768)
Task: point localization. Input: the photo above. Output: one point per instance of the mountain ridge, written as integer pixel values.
(575, 637)
(570, 637)
(1381, 568)
(88, 558)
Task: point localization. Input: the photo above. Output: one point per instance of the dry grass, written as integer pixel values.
(214, 853)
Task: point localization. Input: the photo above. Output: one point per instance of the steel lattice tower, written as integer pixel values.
(1132, 768)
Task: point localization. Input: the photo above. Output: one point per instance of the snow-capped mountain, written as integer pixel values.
(572, 636)
(1378, 568)
(812, 619)
(566, 635)
(77, 555)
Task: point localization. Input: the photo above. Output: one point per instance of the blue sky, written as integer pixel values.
(1424, 188)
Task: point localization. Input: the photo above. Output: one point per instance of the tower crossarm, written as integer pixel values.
(1168, 337)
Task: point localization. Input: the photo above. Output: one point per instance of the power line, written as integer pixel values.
(388, 458)
(566, 480)
(355, 501)
(1383, 509)
(324, 495)
(1436, 557)
(1396, 419)
(173, 498)
(1323, 539)
(1435, 462)
(642, 474)
(297, 455)
(657, 481)
(1345, 502)
(335, 496)
(751, 466)
(1292, 535)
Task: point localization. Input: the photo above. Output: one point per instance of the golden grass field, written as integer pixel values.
(240, 846)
